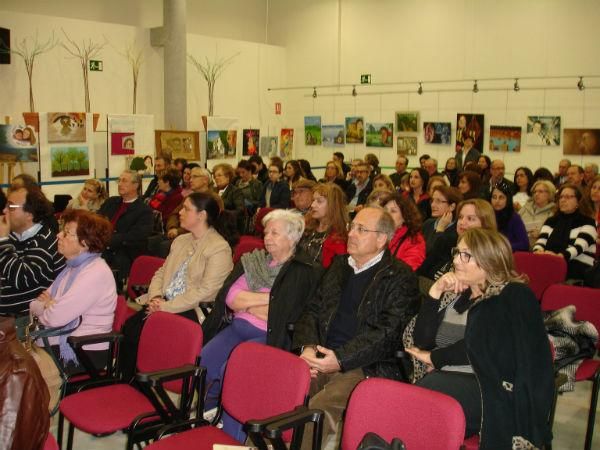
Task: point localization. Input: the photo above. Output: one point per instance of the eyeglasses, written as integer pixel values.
(465, 257)
(360, 229)
(10, 206)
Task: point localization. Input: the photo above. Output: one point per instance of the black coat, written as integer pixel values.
(280, 195)
(389, 302)
(364, 194)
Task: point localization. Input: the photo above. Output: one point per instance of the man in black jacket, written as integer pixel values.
(353, 325)
(358, 191)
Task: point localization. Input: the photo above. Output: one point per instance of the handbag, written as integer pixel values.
(372, 441)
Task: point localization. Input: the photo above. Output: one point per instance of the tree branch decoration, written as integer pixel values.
(84, 52)
(28, 49)
(135, 57)
(211, 71)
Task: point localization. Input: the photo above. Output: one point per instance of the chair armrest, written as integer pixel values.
(80, 341)
(275, 426)
(181, 426)
(259, 425)
(161, 376)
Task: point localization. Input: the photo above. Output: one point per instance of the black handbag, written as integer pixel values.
(372, 441)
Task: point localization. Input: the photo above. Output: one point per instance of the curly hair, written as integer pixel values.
(93, 230)
(337, 213)
(408, 209)
(227, 170)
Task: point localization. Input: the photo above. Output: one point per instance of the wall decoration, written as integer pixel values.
(17, 143)
(407, 122)
(286, 146)
(355, 130)
(211, 71)
(312, 130)
(70, 161)
(437, 132)
(222, 144)
(543, 130)
(178, 144)
(66, 127)
(269, 146)
(251, 142)
(505, 139)
(406, 145)
(122, 143)
(380, 135)
(333, 135)
(469, 125)
(581, 141)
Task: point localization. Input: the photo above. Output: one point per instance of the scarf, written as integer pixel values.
(74, 267)
(157, 200)
(259, 273)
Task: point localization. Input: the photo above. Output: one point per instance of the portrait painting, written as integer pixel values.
(66, 127)
(18, 143)
(251, 142)
(469, 125)
(505, 138)
(312, 130)
(380, 135)
(269, 146)
(437, 132)
(286, 144)
(355, 130)
(407, 122)
(178, 144)
(333, 135)
(581, 141)
(543, 130)
(69, 161)
(406, 145)
(122, 143)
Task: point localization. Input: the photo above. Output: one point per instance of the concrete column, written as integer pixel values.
(175, 70)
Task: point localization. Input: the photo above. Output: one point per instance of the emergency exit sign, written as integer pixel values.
(95, 65)
(365, 78)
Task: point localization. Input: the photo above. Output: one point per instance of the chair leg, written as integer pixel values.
(592, 413)
(70, 437)
(59, 433)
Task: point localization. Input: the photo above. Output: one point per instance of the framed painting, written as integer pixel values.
(355, 130)
(312, 130)
(333, 135)
(543, 130)
(178, 144)
(406, 145)
(380, 135)
(407, 122)
(70, 161)
(470, 125)
(18, 143)
(437, 132)
(581, 141)
(250, 142)
(66, 127)
(286, 144)
(505, 138)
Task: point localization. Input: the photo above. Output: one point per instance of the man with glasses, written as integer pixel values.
(359, 190)
(302, 195)
(29, 260)
(353, 325)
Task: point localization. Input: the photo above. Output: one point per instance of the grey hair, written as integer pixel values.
(293, 221)
(593, 166)
(204, 172)
(135, 176)
(385, 224)
(548, 184)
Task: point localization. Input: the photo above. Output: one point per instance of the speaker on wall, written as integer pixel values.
(4, 44)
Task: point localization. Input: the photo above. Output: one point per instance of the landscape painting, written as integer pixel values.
(380, 135)
(333, 135)
(312, 130)
(70, 161)
(407, 122)
(406, 145)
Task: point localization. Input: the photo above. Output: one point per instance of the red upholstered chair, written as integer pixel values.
(50, 443)
(168, 350)
(260, 382)
(142, 270)
(543, 270)
(587, 304)
(245, 245)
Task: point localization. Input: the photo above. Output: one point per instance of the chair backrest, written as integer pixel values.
(259, 229)
(142, 270)
(122, 313)
(542, 270)
(423, 419)
(586, 302)
(262, 381)
(168, 341)
(245, 245)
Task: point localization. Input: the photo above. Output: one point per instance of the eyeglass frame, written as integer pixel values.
(360, 229)
(461, 254)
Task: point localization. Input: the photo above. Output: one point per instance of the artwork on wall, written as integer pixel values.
(66, 127)
(178, 144)
(17, 143)
(505, 138)
(407, 121)
(380, 135)
(286, 146)
(312, 130)
(333, 135)
(269, 146)
(355, 130)
(141, 164)
(543, 130)
(251, 142)
(406, 145)
(122, 143)
(581, 141)
(222, 144)
(437, 132)
(469, 125)
(69, 161)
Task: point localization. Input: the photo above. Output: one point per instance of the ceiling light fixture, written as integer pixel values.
(420, 90)
(314, 92)
(354, 94)
(516, 86)
(580, 85)
(475, 87)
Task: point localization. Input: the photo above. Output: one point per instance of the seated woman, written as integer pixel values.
(86, 288)
(383, 182)
(417, 192)
(570, 233)
(334, 174)
(469, 184)
(480, 338)
(407, 244)
(444, 201)
(265, 292)
(186, 179)
(450, 171)
(541, 206)
(168, 196)
(325, 234)
(434, 181)
(508, 221)
(523, 181)
(250, 187)
(91, 197)
(276, 192)
(293, 173)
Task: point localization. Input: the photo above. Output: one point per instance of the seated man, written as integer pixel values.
(358, 191)
(353, 325)
(29, 261)
(132, 223)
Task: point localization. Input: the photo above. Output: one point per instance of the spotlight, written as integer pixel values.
(354, 94)
(516, 86)
(420, 90)
(475, 87)
(580, 85)
(314, 92)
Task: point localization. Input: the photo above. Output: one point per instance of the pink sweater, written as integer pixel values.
(242, 285)
(92, 295)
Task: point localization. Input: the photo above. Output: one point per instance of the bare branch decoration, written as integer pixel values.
(211, 71)
(135, 57)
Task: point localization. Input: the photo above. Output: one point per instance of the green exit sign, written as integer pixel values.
(365, 78)
(95, 66)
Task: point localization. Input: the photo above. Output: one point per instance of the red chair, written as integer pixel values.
(245, 245)
(141, 412)
(142, 270)
(587, 304)
(543, 270)
(259, 229)
(50, 443)
(260, 382)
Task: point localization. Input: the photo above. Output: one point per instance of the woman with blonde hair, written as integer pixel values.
(382, 181)
(538, 209)
(92, 196)
(334, 174)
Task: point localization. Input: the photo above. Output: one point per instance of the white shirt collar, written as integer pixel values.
(368, 265)
(30, 232)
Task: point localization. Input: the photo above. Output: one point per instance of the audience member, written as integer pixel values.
(2, 199)
(373, 162)
(431, 166)
(401, 166)
(302, 195)
(358, 191)
(422, 160)
(383, 182)
(293, 172)
(339, 158)
(442, 222)
(305, 166)
(186, 179)
(469, 185)
(575, 176)
(23, 180)
(509, 223)
(334, 174)
(485, 165)
(538, 209)
(168, 197)
(590, 171)
(561, 175)
(523, 183)
(179, 164)
(542, 174)
(451, 172)
(92, 196)
(161, 163)
(351, 175)
(417, 191)
(468, 153)
(435, 181)
(260, 169)
(276, 192)
(249, 186)
(497, 170)
(232, 197)
(594, 194)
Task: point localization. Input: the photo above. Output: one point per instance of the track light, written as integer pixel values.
(420, 90)
(314, 92)
(580, 85)
(516, 86)
(354, 94)
(475, 87)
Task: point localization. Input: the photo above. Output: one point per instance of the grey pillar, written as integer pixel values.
(175, 70)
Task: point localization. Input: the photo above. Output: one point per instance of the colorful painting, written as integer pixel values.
(581, 141)
(469, 125)
(333, 135)
(406, 145)
(122, 143)
(355, 130)
(312, 130)
(407, 122)
(505, 139)
(66, 127)
(437, 132)
(222, 144)
(17, 143)
(70, 161)
(269, 146)
(286, 145)
(178, 144)
(543, 130)
(251, 142)
(380, 135)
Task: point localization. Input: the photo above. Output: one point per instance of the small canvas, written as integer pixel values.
(333, 135)
(469, 125)
(581, 141)
(70, 161)
(269, 146)
(312, 130)
(406, 145)
(17, 143)
(437, 132)
(251, 142)
(286, 145)
(407, 122)
(543, 130)
(66, 127)
(355, 130)
(505, 138)
(222, 144)
(122, 143)
(178, 144)
(380, 135)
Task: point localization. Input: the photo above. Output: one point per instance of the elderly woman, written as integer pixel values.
(480, 338)
(570, 233)
(508, 221)
(86, 288)
(537, 210)
(232, 197)
(444, 201)
(90, 198)
(265, 292)
(168, 197)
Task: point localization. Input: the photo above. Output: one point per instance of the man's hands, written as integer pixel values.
(325, 362)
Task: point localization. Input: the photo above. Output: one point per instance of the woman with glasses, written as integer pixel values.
(541, 206)
(571, 232)
(442, 222)
(480, 338)
(276, 192)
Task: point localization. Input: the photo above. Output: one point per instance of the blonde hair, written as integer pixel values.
(387, 181)
(551, 188)
(483, 210)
